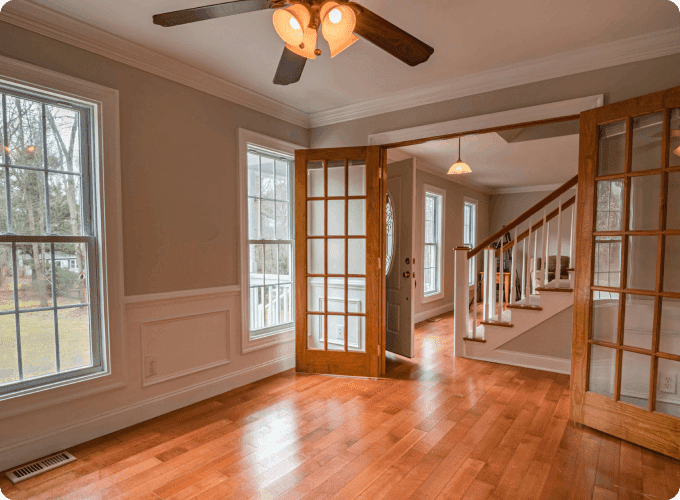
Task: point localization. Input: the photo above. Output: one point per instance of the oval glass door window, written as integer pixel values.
(390, 235)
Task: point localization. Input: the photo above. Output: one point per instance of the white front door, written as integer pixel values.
(401, 282)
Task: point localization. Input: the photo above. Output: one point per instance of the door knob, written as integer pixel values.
(407, 274)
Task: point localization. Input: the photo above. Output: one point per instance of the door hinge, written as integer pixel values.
(380, 173)
(379, 262)
(379, 351)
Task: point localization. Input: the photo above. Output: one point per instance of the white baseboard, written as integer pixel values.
(524, 360)
(20, 452)
(433, 312)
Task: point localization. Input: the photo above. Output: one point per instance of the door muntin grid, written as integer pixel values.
(336, 243)
(632, 243)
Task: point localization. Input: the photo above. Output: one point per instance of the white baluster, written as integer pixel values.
(572, 243)
(485, 287)
(524, 268)
(513, 267)
(544, 260)
(526, 279)
(558, 257)
(491, 279)
(474, 309)
(501, 281)
(461, 287)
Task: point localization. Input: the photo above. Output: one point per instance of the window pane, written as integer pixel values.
(357, 217)
(612, 149)
(357, 295)
(357, 256)
(635, 373)
(38, 349)
(3, 199)
(315, 332)
(70, 269)
(34, 275)
(6, 278)
(315, 257)
(336, 179)
(674, 153)
(256, 265)
(271, 264)
(315, 218)
(9, 358)
(642, 262)
(253, 175)
(602, 370)
(336, 295)
(285, 264)
(671, 270)
(282, 169)
(647, 137)
(430, 257)
(286, 303)
(609, 205)
(315, 294)
(645, 195)
(607, 270)
(271, 317)
(315, 179)
(356, 333)
(336, 256)
(267, 190)
(429, 281)
(256, 308)
(639, 321)
(336, 217)
(357, 178)
(253, 218)
(669, 341)
(336, 333)
(24, 130)
(666, 387)
(605, 319)
(65, 202)
(63, 139)
(673, 200)
(282, 223)
(74, 338)
(268, 219)
(28, 201)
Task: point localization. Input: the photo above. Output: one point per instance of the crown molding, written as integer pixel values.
(48, 22)
(629, 50)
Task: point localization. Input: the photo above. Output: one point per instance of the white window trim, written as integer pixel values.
(472, 201)
(107, 195)
(439, 295)
(276, 336)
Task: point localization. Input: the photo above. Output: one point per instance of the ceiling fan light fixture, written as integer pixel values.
(292, 25)
(337, 26)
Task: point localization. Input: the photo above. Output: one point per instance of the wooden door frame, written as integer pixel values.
(654, 430)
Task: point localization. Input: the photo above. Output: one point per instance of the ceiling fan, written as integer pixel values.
(297, 22)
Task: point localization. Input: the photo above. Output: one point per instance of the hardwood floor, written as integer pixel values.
(437, 428)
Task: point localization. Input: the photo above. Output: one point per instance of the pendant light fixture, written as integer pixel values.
(459, 167)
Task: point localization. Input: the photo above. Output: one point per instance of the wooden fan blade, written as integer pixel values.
(209, 12)
(290, 68)
(390, 38)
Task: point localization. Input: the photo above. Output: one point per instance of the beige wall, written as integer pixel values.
(616, 83)
(453, 235)
(179, 160)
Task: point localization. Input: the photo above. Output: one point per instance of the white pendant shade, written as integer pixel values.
(337, 25)
(460, 167)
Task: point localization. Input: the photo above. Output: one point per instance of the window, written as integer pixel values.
(270, 240)
(49, 313)
(433, 236)
(470, 234)
(389, 230)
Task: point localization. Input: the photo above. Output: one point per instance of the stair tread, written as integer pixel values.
(482, 341)
(525, 307)
(565, 290)
(498, 323)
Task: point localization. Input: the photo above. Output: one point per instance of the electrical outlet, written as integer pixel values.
(150, 366)
(340, 332)
(668, 382)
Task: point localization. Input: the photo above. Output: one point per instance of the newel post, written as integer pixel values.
(461, 300)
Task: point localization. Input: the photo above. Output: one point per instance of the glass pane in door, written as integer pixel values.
(647, 141)
(612, 148)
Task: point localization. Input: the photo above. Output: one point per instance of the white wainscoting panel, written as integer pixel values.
(185, 344)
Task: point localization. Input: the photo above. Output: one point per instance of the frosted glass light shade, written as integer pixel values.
(459, 168)
(337, 25)
(300, 40)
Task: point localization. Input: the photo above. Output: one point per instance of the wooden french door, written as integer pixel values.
(626, 344)
(339, 244)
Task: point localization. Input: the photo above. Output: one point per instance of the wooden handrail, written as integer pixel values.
(525, 216)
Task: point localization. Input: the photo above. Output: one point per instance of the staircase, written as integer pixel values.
(536, 293)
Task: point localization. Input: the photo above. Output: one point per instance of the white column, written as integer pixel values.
(558, 257)
(532, 282)
(526, 279)
(513, 266)
(460, 305)
(485, 287)
(572, 243)
(491, 276)
(544, 259)
(501, 281)
(474, 308)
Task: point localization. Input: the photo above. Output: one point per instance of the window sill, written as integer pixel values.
(432, 298)
(269, 339)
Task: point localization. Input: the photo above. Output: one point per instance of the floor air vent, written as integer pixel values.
(39, 467)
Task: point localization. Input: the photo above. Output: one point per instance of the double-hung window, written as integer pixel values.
(50, 324)
(270, 241)
(470, 234)
(433, 236)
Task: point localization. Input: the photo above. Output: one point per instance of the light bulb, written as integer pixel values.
(335, 16)
(294, 24)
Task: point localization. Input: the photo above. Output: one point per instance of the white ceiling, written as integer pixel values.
(496, 163)
(469, 36)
